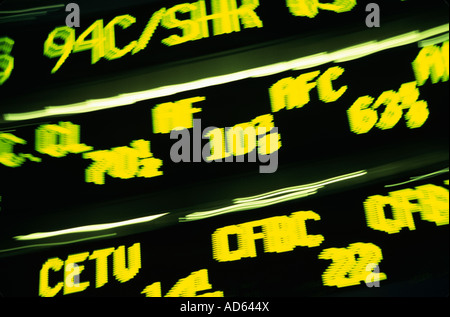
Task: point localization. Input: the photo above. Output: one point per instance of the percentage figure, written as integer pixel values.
(363, 114)
(123, 162)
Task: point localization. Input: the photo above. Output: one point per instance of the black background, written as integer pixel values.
(316, 144)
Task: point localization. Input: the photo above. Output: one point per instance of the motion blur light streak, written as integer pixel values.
(56, 243)
(246, 206)
(89, 228)
(434, 41)
(22, 15)
(346, 54)
(263, 201)
(33, 9)
(417, 178)
(301, 187)
(27, 14)
(240, 204)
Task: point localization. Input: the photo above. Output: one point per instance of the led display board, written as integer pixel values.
(311, 248)
(114, 41)
(322, 175)
(131, 150)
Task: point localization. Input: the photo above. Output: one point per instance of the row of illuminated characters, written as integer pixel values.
(431, 203)
(125, 268)
(123, 271)
(432, 63)
(224, 143)
(350, 265)
(285, 233)
(136, 160)
(226, 16)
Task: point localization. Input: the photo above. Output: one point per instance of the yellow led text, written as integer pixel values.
(7, 156)
(310, 8)
(102, 41)
(59, 140)
(363, 114)
(351, 265)
(241, 139)
(122, 162)
(289, 93)
(175, 115)
(197, 282)
(227, 17)
(430, 201)
(279, 234)
(110, 50)
(123, 270)
(6, 60)
(432, 62)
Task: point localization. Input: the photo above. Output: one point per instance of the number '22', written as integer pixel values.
(349, 266)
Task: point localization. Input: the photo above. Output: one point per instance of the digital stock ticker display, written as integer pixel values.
(224, 148)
